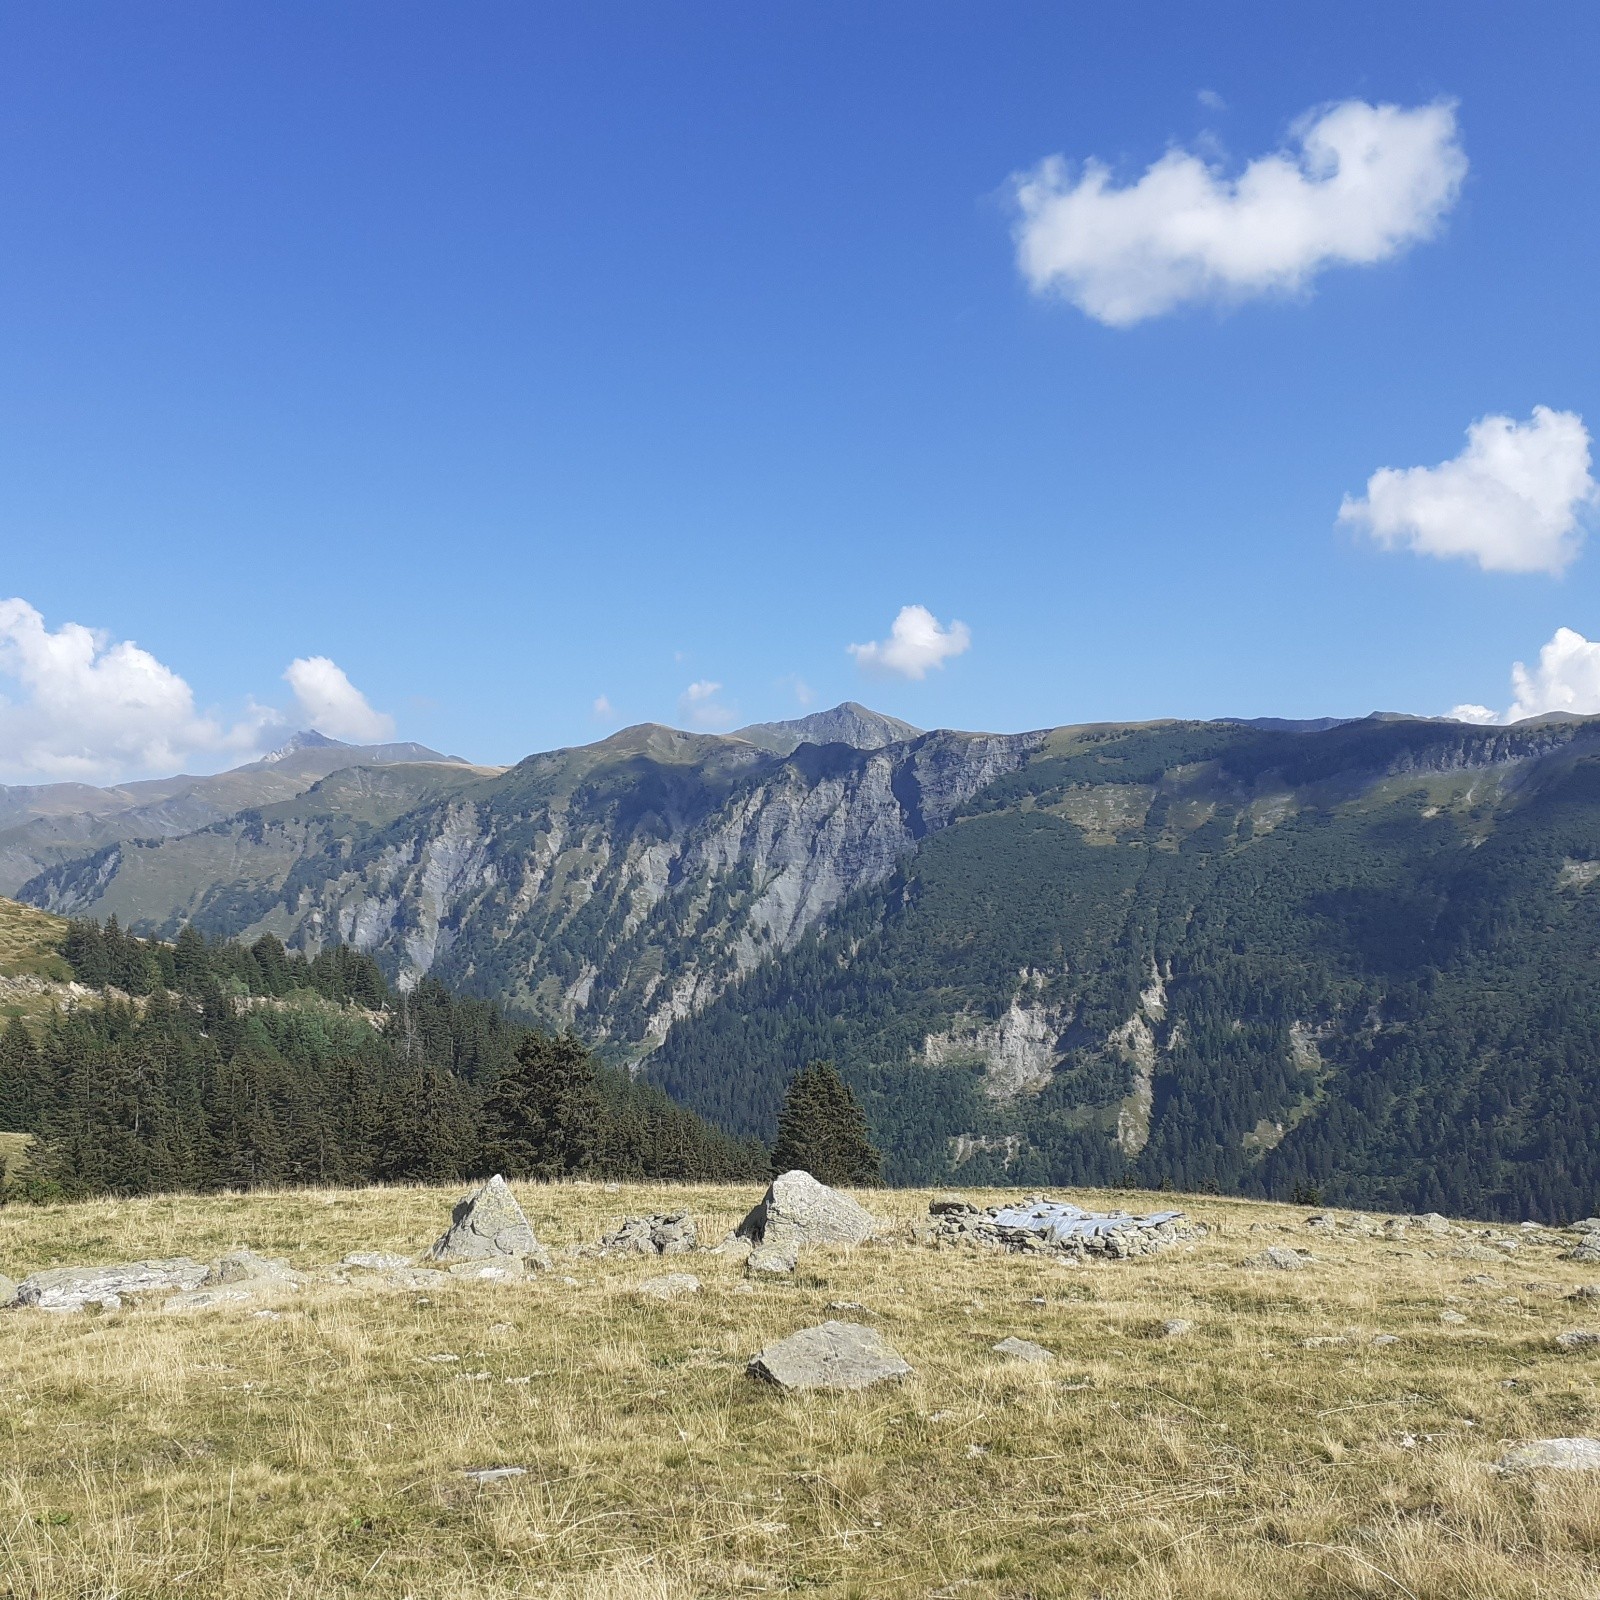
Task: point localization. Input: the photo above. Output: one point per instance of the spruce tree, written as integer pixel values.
(823, 1130)
(542, 1117)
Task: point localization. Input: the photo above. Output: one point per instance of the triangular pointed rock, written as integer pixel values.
(489, 1225)
(797, 1210)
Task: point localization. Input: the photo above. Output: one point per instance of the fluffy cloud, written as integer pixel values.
(916, 643)
(1512, 500)
(602, 707)
(333, 705)
(699, 705)
(86, 708)
(1361, 183)
(1567, 678)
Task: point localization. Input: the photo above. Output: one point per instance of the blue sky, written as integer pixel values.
(513, 357)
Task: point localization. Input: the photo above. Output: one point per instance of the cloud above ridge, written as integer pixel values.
(1567, 678)
(333, 705)
(917, 643)
(1513, 500)
(1359, 184)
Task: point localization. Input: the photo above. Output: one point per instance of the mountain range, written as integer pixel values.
(1354, 957)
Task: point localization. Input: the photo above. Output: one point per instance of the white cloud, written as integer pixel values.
(916, 642)
(602, 707)
(1211, 100)
(698, 703)
(86, 707)
(1511, 501)
(1361, 184)
(1567, 678)
(333, 705)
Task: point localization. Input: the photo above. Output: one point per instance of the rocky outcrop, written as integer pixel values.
(488, 1228)
(670, 1234)
(74, 1288)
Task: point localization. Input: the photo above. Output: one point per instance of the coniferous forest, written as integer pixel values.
(208, 1065)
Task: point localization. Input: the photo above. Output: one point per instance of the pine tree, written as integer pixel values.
(20, 1087)
(823, 1130)
(542, 1118)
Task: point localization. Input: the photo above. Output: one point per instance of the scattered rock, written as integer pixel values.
(493, 1474)
(245, 1266)
(414, 1278)
(1587, 1291)
(796, 1211)
(1052, 1227)
(73, 1288)
(1454, 1318)
(267, 1316)
(1280, 1258)
(206, 1299)
(1578, 1339)
(1481, 1280)
(376, 1261)
(1562, 1455)
(673, 1286)
(835, 1355)
(1473, 1252)
(1175, 1328)
(489, 1224)
(847, 1305)
(1587, 1225)
(1386, 1338)
(1023, 1350)
(670, 1234)
(771, 1261)
(1587, 1253)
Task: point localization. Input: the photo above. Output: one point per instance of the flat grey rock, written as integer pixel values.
(503, 1269)
(1023, 1350)
(1176, 1327)
(489, 1224)
(1562, 1455)
(1279, 1258)
(245, 1266)
(797, 1210)
(771, 1261)
(493, 1474)
(376, 1261)
(73, 1288)
(834, 1355)
(230, 1294)
(671, 1286)
(1385, 1338)
(1578, 1339)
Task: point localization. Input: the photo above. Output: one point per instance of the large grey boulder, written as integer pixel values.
(1564, 1455)
(797, 1210)
(834, 1355)
(489, 1225)
(73, 1288)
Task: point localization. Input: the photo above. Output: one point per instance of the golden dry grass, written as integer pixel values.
(160, 1455)
(30, 943)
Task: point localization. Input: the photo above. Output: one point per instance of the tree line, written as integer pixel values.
(210, 1064)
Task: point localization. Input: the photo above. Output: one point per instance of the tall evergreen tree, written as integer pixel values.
(542, 1118)
(823, 1130)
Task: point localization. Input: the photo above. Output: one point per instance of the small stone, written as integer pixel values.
(1578, 1339)
(771, 1261)
(835, 1355)
(208, 1299)
(846, 1305)
(1023, 1350)
(506, 1270)
(376, 1261)
(742, 1288)
(1561, 1455)
(673, 1286)
(1385, 1338)
(267, 1316)
(1279, 1258)
(1454, 1318)
(493, 1474)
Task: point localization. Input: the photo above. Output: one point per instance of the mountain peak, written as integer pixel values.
(305, 739)
(847, 723)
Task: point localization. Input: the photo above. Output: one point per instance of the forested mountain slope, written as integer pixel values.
(1356, 956)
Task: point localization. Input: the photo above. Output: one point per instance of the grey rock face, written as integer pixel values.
(487, 1225)
(671, 1286)
(1562, 1455)
(670, 1234)
(1023, 1350)
(797, 1210)
(1279, 1258)
(73, 1288)
(834, 1355)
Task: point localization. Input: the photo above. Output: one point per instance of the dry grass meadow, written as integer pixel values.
(1274, 1451)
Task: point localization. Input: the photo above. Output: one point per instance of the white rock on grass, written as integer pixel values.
(834, 1355)
(1023, 1350)
(1176, 1328)
(1279, 1258)
(771, 1261)
(1561, 1455)
(493, 1474)
(73, 1288)
(488, 1225)
(1578, 1339)
(671, 1286)
(375, 1261)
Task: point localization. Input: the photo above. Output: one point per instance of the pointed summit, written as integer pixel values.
(848, 723)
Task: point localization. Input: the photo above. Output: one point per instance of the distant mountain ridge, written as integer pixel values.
(1354, 957)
